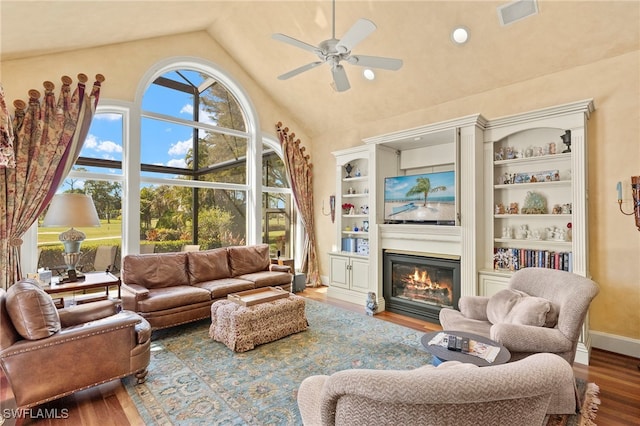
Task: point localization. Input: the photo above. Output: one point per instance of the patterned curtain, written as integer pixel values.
(299, 170)
(46, 138)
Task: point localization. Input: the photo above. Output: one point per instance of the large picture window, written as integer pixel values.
(193, 173)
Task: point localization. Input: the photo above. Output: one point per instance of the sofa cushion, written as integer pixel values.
(220, 288)
(248, 259)
(172, 297)
(32, 310)
(268, 279)
(155, 270)
(208, 265)
(516, 307)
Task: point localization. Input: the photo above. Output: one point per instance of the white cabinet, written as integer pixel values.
(349, 273)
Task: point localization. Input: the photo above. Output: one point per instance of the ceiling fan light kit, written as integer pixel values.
(334, 51)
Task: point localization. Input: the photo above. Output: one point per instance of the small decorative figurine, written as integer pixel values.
(372, 305)
(358, 173)
(513, 208)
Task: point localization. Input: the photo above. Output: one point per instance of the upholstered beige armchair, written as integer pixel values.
(517, 393)
(541, 311)
(47, 353)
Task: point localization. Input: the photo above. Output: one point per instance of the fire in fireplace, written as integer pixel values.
(420, 285)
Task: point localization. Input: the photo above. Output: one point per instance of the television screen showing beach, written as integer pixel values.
(427, 197)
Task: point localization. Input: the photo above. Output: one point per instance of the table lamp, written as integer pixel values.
(74, 210)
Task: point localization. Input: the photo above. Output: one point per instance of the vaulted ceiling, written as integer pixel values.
(564, 34)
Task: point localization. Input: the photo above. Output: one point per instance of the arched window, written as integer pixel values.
(206, 176)
(184, 165)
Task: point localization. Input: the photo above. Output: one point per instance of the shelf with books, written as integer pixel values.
(514, 259)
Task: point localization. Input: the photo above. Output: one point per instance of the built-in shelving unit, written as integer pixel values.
(349, 260)
(536, 194)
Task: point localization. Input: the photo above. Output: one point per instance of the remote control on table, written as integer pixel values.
(465, 344)
(458, 343)
(451, 342)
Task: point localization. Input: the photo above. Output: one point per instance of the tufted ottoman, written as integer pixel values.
(242, 328)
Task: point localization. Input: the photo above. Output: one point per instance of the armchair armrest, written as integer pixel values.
(279, 268)
(75, 334)
(474, 307)
(528, 338)
(79, 314)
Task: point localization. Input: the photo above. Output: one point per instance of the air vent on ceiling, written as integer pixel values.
(517, 10)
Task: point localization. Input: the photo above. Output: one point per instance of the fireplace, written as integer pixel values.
(419, 285)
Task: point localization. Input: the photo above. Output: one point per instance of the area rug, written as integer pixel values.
(195, 380)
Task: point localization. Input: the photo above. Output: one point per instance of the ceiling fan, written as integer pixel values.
(333, 51)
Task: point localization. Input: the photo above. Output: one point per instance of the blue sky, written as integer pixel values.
(397, 187)
(163, 143)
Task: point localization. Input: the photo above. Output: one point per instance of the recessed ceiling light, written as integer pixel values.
(369, 74)
(460, 35)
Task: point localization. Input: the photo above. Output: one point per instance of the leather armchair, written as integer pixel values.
(91, 344)
(570, 294)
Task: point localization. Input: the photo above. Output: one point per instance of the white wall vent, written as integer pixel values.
(517, 10)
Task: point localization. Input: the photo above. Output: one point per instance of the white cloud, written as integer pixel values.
(90, 142)
(109, 146)
(181, 147)
(93, 143)
(177, 162)
(187, 109)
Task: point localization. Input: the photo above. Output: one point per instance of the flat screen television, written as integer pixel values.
(428, 198)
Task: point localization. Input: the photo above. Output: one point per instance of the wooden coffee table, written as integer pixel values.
(444, 354)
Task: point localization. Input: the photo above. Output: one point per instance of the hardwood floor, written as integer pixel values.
(618, 377)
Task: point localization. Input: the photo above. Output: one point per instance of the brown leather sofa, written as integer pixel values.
(175, 288)
(47, 353)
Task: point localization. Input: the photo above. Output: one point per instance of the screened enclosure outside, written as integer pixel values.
(193, 176)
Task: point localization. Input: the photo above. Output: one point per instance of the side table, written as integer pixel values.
(92, 280)
(284, 261)
(443, 354)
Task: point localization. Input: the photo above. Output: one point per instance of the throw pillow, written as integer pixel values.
(516, 307)
(32, 311)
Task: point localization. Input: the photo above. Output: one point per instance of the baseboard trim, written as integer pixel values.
(614, 343)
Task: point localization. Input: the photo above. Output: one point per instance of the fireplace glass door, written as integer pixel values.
(420, 285)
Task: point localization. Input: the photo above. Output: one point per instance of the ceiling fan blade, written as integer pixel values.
(294, 42)
(375, 62)
(358, 32)
(340, 80)
(299, 70)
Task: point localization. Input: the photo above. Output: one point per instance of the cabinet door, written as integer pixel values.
(360, 275)
(339, 271)
(491, 284)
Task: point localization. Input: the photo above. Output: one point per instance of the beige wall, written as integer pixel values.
(614, 148)
(614, 155)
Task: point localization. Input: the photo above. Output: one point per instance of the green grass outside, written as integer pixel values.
(107, 233)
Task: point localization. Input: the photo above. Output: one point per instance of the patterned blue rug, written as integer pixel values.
(196, 380)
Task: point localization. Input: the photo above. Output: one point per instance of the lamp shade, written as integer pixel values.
(71, 209)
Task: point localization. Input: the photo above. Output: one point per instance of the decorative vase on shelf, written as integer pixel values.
(348, 168)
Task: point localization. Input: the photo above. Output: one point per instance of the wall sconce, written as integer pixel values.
(332, 208)
(635, 192)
